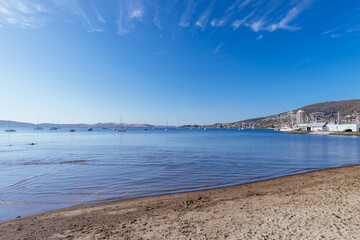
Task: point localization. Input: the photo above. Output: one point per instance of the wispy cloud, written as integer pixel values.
(73, 7)
(257, 15)
(35, 13)
(23, 14)
(204, 18)
(156, 18)
(218, 47)
(259, 37)
(186, 16)
(161, 53)
(98, 15)
(129, 11)
(278, 18)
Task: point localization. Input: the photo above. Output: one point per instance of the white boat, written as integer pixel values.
(286, 129)
(121, 129)
(53, 128)
(204, 129)
(37, 126)
(190, 129)
(10, 129)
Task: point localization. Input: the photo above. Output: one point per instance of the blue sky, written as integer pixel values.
(177, 60)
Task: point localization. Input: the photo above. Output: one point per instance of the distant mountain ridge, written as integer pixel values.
(317, 112)
(15, 124)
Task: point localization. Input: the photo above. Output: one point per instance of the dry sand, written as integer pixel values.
(318, 205)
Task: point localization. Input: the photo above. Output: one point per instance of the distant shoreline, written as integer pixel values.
(294, 206)
(327, 133)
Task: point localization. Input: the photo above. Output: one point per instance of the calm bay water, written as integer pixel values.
(112, 165)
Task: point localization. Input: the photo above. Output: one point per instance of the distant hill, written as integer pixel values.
(14, 124)
(345, 107)
(321, 112)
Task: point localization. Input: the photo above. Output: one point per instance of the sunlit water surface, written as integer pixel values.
(65, 169)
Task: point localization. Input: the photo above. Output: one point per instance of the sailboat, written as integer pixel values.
(121, 129)
(37, 126)
(53, 127)
(166, 129)
(9, 129)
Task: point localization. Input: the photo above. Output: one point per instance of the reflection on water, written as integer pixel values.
(65, 169)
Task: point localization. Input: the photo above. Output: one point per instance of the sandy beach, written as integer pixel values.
(317, 205)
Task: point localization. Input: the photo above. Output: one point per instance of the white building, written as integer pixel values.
(342, 127)
(314, 127)
(330, 127)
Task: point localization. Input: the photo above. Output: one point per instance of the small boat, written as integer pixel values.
(37, 126)
(166, 129)
(204, 129)
(286, 129)
(145, 129)
(10, 129)
(122, 129)
(190, 129)
(72, 130)
(90, 129)
(53, 128)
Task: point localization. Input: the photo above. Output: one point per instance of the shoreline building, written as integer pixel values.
(300, 117)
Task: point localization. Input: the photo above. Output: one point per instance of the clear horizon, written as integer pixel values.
(181, 61)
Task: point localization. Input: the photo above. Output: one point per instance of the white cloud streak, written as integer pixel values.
(218, 47)
(23, 14)
(186, 16)
(204, 18)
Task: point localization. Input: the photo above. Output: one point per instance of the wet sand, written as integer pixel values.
(317, 205)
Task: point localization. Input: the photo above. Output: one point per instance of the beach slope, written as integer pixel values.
(315, 205)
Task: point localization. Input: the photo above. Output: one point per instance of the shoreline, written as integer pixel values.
(327, 133)
(305, 205)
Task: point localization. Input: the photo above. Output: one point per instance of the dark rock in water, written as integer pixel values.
(18, 217)
(32, 143)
